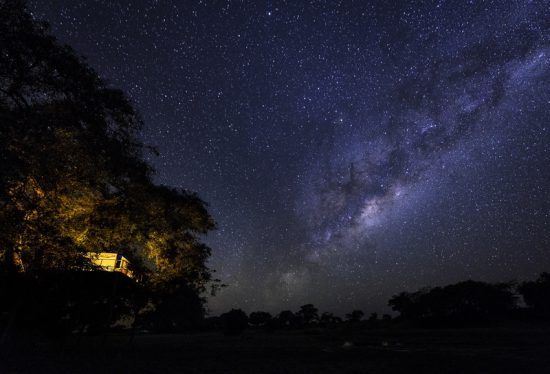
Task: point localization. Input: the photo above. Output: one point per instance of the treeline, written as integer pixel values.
(236, 321)
(464, 304)
(73, 180)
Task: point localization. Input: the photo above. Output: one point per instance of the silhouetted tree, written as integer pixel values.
(328, 318)
(308, 314)
(355, 316)
(234, 322)
(258, 319)
(408, 304)
(175, 307)
(536, 294)
(287, 319)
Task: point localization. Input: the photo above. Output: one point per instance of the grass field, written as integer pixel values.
(312, 351)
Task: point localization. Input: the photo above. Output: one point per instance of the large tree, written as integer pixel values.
(72, 175)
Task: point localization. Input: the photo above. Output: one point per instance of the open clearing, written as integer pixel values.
(311, 351)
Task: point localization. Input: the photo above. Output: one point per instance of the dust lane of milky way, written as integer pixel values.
(348, 150)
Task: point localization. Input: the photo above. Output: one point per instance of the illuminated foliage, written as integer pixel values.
(73, 179)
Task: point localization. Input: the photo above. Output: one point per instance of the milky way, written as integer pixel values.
(348, 150)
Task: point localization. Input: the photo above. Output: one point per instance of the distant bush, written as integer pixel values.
(234, 322)
(287, 319)
(308, 314)
(355, 316)
(329, 319)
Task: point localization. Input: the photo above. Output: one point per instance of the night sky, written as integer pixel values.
(349, 150)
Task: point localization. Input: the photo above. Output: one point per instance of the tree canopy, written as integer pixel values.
(73, 178)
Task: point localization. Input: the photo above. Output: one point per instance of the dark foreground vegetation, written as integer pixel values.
(472, 327)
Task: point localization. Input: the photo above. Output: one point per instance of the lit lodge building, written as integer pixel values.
(111, 261)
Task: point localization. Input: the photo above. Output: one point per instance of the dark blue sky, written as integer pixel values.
(349, 150)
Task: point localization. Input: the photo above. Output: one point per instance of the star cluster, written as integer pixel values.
(349, 150)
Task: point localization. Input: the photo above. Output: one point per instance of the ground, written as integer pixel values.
(311, 351)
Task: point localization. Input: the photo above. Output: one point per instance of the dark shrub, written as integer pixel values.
(234, 322)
